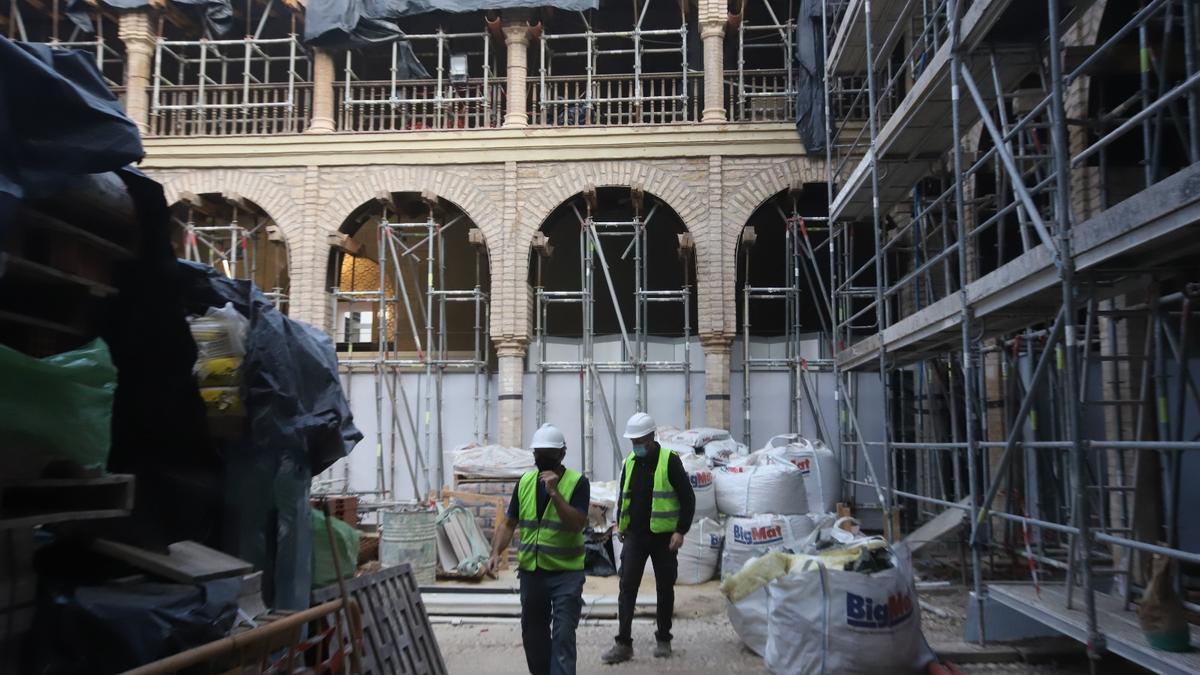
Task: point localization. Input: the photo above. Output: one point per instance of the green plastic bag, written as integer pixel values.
(61, 406)
(345, 540)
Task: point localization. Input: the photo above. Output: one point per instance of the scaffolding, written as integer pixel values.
(233, 244)
(402, 304)
(109, 61)
(987, 283)
(589, 46)
(635, 354)
(407, 87)
(803, 276)
(757, 91)
(231, 80)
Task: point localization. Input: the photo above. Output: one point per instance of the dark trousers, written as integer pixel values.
(637, 548)
(550, 608)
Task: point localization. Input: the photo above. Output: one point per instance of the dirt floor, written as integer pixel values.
(705, 642)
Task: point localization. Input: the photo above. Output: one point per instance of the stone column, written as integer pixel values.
(511, 355)
(716, 378)
(134, 30)
(712, 32)
(516, 36)
(322, 101)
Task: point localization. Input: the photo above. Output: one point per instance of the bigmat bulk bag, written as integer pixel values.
(754, 536)
(819, 466)
(701, 478)
(824, 621)
(769, 487)
(700, 555)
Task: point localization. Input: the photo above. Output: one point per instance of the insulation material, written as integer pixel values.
(700, 555)
(491, 461)
(817, 463)
(701, 478)
(760, 486)
(755, 536)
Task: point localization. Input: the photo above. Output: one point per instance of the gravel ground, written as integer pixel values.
(705, 643)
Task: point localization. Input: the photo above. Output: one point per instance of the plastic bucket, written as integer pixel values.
(410, 535)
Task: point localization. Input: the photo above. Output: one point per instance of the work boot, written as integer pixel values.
(618, 654)
(662, 650)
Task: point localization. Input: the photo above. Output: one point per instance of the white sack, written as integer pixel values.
(724, 451)
(700, 554)
(701, 478)
(818, 465)
(491, 461)
(602, 511)
(832, 621)
(772, 487)
(755, 536)
(748, 617)
(692, 438)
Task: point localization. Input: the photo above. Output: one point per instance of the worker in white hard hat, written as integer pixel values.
(654, 512)
(549, 505)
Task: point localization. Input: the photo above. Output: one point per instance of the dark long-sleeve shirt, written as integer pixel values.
(641, 485)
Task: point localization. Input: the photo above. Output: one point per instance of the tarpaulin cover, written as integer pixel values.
(810, 79)
(353, 23)
(75, 127)
(114, 628)
(218, 14)
(293, 395)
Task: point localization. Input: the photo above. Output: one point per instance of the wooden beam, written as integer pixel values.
(201, 205)
(638, 196)
(589, 196)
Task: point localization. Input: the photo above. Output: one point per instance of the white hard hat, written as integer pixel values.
(548, 436)
(641, 424)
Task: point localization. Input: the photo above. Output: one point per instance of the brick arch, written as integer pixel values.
(740, 204)
(755, 191)
(453, 188)
(268, 195)
(554, 191)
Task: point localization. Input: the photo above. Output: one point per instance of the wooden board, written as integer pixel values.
(397, 636)
(46, 501)
(1119, 626)
(186, 561)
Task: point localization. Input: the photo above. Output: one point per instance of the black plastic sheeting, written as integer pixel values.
(293, 395)
(77, 126)
(218, 14)
(356, 23)
(810, 77)
(95, 630)
(299, 424)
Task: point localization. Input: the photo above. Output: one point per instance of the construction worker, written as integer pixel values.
(654, 512)
(549, 505)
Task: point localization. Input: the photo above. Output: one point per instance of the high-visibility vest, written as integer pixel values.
(664, 504)
(545, 543)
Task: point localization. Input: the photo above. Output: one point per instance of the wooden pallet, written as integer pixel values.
(397, 635)
(42, 502)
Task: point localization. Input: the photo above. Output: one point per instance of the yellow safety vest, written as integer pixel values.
(664, 504)
(545, 543)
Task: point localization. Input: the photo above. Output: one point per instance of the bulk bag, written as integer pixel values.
(817, 464)
(701, 478)
(700, 555)
(823, 619)
(767, 487)
(755, 536)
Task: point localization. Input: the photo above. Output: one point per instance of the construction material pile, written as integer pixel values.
(843, 603)
(750, 503)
